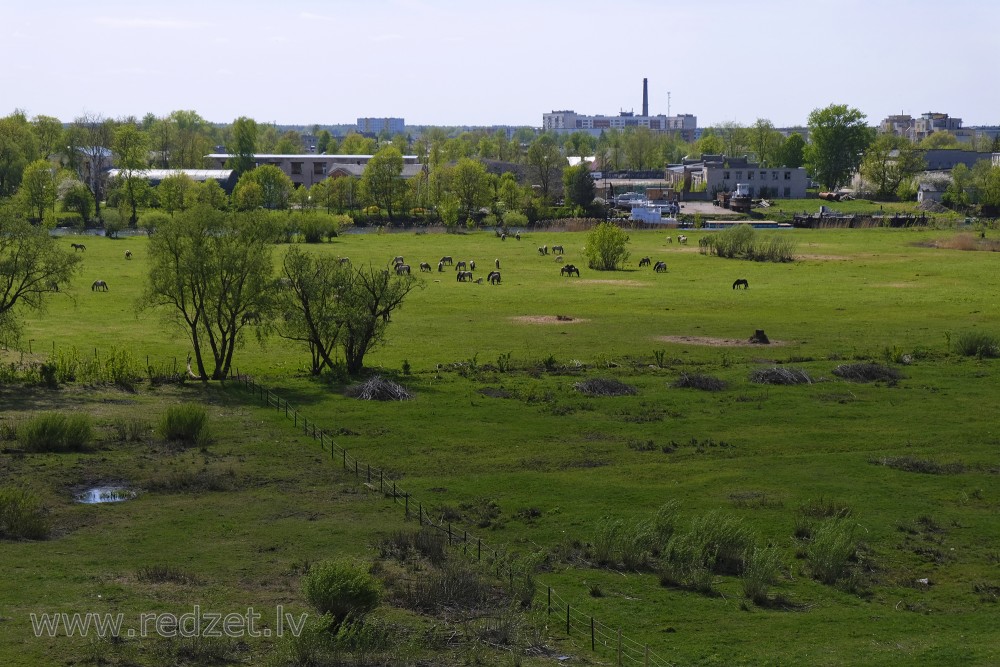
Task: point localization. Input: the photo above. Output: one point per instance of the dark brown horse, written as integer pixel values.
(741, 282)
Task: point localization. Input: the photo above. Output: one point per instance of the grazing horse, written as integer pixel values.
(250, 317)
(99, 286)
(398, 259)
(497, 262)
(569, 270)
(472, 265)
(494, 277)
(424, 266)
(447, 260)
(344, 261)
(670, 239)
(461, 266)
(128, 254)
(402, 268)
(682, 239)
(542, 250)
(503, 237)
(645, 261)
(741, 282)
(517, 235)
(558, 249)
(660, 267)
(464, 276)
(78, 246)
(440, 266)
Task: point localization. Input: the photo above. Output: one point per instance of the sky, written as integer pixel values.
(463, 62)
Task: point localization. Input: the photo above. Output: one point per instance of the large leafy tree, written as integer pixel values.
(765, 142)
(131, 149)
(49, 131)
(175, 192)
(18, 148)
(838, 137)
(38, 194)
(212, 271)
(192, 139)
(32, 268)
(792, 152)
(243, 145)
(544, 156)
(578, 185)
(383, 179)
(471, 184)
(329, 304)
(735, 138)
(270, 187)
(91, 136)
(889, 161)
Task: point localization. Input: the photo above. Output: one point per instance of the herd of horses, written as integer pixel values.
(463, 269)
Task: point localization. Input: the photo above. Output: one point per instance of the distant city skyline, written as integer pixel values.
(452, 63)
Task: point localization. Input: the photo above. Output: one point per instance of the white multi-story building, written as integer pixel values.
(685, 125)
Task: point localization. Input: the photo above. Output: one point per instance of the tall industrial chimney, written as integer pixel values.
(645, 98)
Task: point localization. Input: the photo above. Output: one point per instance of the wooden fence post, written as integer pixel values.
(593, 643)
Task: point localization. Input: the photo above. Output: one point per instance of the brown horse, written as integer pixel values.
(78, 246)
(741, 282)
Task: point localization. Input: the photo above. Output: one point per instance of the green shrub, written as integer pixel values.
(607, 247)
(21, 515)
(55, 432)
(342, 590)
(187, 424)
(977, 344)
(514, 219)
(742, 242)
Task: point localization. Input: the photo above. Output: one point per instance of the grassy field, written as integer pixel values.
(499, 439)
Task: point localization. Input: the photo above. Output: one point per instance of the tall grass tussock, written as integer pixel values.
(56, 432)
(21, 515)
(185, 424)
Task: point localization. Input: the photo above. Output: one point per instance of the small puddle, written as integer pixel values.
(105, 494)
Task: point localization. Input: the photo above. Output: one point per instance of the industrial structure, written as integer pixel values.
(685, 126)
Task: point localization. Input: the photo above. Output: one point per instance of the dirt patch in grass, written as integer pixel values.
(712, 342)
(624, 283)
(963, 241)
(827, 257)
(548, 319)
(899, 285)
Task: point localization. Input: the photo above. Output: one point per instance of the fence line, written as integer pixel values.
(625, 650)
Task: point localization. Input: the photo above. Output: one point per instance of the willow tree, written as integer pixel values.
(330, 305)
(212, 271)
(32, 268)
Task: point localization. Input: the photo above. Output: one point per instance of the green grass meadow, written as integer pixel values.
(498, 429)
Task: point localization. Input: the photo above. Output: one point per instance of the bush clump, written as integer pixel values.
(977, 344)
(867, 372)
(55, 432)
(699, 381)
(21, 515)
(342, 590)
(604, 387)
(779, 375)
(186, 424)
(742, 242)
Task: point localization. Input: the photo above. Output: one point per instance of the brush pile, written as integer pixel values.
(604, 387)
(867, 372)
(699, 381)
(377, 388)
(778, 375)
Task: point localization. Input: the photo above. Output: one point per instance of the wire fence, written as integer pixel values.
(573, 619)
